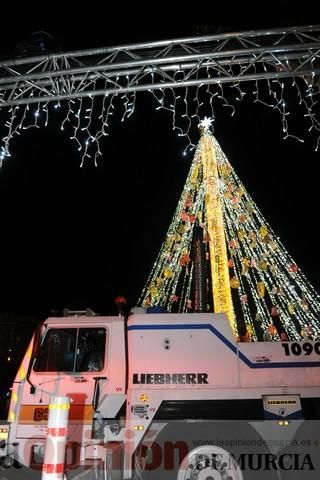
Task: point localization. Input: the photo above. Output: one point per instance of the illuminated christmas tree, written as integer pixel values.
(221, 255)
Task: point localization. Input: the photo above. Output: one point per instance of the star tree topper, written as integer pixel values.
(205, 124)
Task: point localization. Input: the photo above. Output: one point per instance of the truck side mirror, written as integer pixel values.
(35, 350)
(96, 392)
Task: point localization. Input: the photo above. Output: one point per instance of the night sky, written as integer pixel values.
(76, 237)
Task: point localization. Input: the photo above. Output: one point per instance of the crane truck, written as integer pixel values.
(165, 396)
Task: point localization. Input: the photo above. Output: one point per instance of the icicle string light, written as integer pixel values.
(272, 298)
(90, 121)
(189, 78)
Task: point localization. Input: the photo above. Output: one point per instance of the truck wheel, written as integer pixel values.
(209, 463)
(205, 450)
(7, 461)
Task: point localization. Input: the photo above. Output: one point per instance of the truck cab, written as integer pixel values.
(81, 357)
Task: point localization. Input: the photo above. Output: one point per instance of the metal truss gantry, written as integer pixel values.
(195, 61)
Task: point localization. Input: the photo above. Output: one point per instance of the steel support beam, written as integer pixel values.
(217, 59)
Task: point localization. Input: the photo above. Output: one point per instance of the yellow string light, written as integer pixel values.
(252, 276)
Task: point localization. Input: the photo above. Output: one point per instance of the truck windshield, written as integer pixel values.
(72, 350)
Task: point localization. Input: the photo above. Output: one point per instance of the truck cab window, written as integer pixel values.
(91, 350)
(72, 350)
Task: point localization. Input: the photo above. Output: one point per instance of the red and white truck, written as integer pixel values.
(165, 396)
